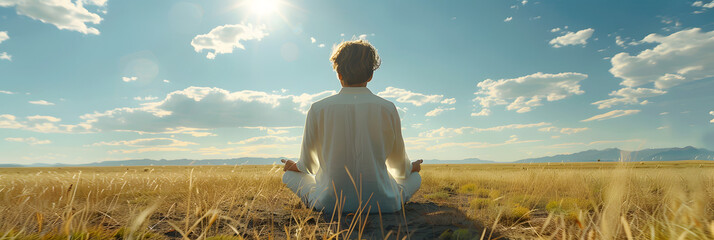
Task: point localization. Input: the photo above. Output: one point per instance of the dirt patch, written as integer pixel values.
(419, 221)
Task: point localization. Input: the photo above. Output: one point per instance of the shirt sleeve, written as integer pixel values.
(308, 162)
(397, 161)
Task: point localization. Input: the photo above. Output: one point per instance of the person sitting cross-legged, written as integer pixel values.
(353, 153)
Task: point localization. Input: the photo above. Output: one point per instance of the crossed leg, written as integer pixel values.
(302, 184)
(410, 185)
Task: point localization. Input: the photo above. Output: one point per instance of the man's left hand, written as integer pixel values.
(290, 165)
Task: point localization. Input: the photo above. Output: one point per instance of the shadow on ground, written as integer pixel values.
(423, 221)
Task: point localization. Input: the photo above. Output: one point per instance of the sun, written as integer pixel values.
(263, 11)
(263, 7)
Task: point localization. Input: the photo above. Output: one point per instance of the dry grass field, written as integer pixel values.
(654, 200)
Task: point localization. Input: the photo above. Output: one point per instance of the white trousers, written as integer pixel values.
(303, 185)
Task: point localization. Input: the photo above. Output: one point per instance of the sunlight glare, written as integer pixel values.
(262, 7)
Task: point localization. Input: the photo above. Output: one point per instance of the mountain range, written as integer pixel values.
(605, 155)
(615, 154)
(162, 162)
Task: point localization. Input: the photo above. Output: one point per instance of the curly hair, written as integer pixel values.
(355, 61)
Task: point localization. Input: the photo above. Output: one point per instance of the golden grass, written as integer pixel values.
(673, 200)
(657, 200)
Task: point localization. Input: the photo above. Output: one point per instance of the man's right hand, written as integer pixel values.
(416, 165)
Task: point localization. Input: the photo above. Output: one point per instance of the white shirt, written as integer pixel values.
(362, 132)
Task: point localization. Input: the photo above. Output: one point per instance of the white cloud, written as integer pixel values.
(147, 145)
(572, 130)
(402, 109)
(129, 79)
(194, 110)
(149, 149)
(207, 108)
(555, 30)
(313, 40)
(624, 42)
(257, 150)
(438, 111)
(321, 45)
(275, 130)
(523, 93)
(508, 19)
(147, 142)
(43, 118)
(524, 2)
(417, 99)
(711, 113)
(5, 56)
(572, 38)
(9, 121)
(270, 139)
(483, 112)
(223, 39)
(629, 96)
(619, 41)
(563, 130)
(702, 5)
(64, 14)
(43, 124)
(572, 144)
(95, 2)
(672, 24)
(6, 92)
(681, 57)
(3, 37)
(147, 98)
(30, 140)
(420, 143)
(213, 151)
(41, 102)
(166, 81)
(446, 132)
(548, 129)
(523, 104)
(196, 132)
(611, 114)
(512, 140)
(449, 101)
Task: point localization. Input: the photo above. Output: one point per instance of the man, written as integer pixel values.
(352, 152)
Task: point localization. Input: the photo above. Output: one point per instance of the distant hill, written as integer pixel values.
(10, 165)
(605, 155)
(182, 162)
(162, 162)
(614, 154)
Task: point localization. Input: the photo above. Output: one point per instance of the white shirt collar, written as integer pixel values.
(355, 90)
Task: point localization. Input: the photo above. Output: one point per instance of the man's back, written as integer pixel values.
(353, 152)
(353, 140)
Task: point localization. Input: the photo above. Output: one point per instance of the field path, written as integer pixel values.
(424, 220)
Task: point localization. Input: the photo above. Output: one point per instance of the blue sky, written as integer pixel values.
(92, 80)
